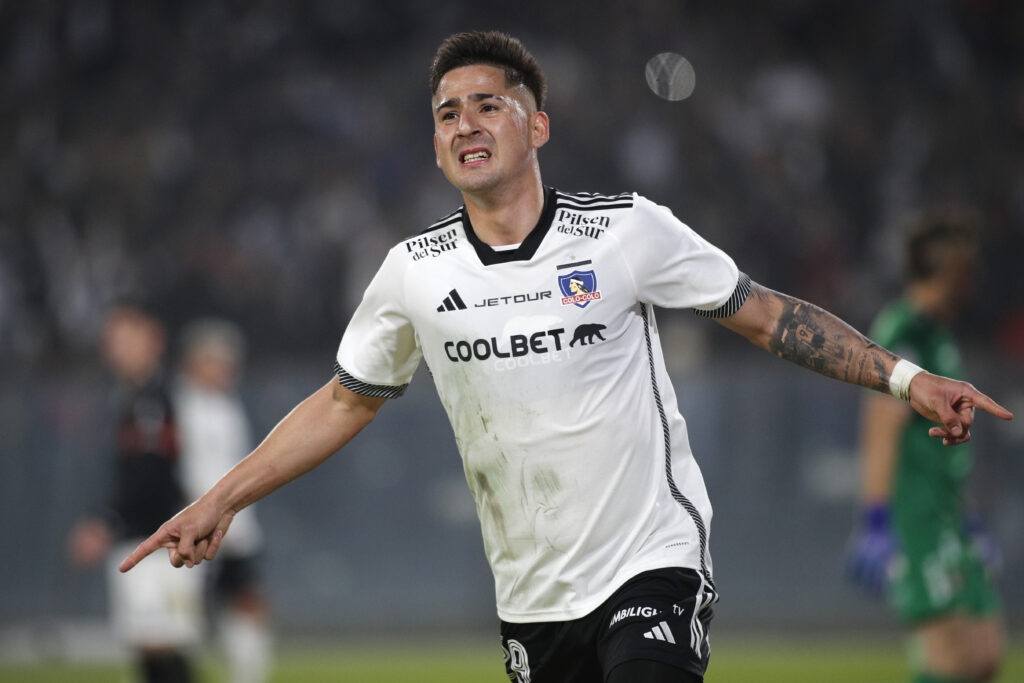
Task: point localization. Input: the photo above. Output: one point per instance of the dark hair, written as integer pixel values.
(492, 48)
(204, 333)
(930, 235)
(136, 305)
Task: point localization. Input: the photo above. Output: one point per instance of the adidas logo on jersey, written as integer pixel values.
(452, 302)
(661, 632)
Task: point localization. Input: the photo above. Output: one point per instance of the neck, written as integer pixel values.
(930, 299)
(137, 378)
(506, 215)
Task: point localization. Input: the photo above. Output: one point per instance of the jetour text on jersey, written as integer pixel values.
(512, 298)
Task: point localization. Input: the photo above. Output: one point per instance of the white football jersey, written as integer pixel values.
(548, 362)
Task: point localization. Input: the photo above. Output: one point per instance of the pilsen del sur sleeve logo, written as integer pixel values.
(578, 287)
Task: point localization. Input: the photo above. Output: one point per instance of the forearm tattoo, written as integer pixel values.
(814, 338)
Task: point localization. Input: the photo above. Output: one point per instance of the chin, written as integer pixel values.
(475, 184)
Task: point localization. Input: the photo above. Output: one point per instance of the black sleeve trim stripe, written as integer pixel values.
(450, 219)
(363, 389)
(595, 207)
(593, 198)
(580, 202)
(739, 295)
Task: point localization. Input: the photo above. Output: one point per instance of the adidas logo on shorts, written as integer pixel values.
(661, 632)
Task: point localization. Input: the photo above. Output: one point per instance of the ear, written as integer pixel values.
(437, 157)
(540, 129)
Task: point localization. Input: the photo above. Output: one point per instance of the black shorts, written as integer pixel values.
(661, 615)
(232, 575)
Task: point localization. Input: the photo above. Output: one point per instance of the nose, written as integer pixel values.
(467, 125)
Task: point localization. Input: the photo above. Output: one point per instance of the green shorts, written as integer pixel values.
(939, 573)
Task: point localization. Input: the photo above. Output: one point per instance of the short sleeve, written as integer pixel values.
(379, 352)
(671, 265)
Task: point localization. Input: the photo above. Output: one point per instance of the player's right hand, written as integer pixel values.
(951, 404)
(872, 552)
(191, 536)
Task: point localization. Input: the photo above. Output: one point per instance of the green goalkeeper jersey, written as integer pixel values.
(930, 478)
(938, 571)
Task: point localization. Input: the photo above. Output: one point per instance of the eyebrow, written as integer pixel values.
(475, 97)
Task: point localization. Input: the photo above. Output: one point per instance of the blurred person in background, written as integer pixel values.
(918, 539)
(215, 434)
(157, 613)
(593, 510)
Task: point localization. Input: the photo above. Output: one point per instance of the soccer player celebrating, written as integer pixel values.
(917, 532)
(593, 510)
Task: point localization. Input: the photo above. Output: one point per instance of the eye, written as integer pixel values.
(448, 116)
(489, 107)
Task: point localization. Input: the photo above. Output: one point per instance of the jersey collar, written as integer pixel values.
(527, 249)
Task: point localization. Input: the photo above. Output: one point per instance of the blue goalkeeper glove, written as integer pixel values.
(872, 552)
(983, 541)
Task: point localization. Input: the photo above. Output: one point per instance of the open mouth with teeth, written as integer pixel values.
(474, 156)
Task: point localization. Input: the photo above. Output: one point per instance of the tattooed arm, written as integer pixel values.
(807, 335)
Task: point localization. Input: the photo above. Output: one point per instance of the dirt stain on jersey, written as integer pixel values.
(547, 484)
(490, 511)
(544, 491)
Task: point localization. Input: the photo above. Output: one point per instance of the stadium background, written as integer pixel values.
(256, 159)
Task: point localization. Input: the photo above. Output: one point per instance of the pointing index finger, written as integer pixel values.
(143, 550)
(982, 401)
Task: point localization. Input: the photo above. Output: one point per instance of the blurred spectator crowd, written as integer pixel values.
(255, 160)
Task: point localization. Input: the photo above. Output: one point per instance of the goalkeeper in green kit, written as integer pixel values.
(918, 539)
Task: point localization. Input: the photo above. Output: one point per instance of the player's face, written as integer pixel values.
(957, 275)
(486, 132)
(132, 345)
(212, 367)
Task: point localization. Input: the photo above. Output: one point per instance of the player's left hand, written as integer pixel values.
(872, 551)
(951, 403)
(984, 543)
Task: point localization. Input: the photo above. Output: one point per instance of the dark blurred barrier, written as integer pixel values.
(383, 537)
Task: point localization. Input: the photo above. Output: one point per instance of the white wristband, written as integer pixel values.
(899, 380)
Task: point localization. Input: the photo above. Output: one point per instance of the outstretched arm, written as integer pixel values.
(807, 335)
(312, 432)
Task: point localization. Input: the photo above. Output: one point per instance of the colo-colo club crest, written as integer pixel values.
(579, 288)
